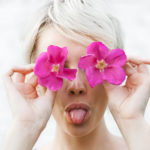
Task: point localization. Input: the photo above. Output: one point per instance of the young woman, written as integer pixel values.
(75, 24)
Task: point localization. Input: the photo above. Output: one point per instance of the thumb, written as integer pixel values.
(109, 86)
(50, 96)
(49, 93)
(46, 101)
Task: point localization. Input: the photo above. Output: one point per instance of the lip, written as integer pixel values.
(77, 106)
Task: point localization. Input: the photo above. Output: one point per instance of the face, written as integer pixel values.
(76, 91)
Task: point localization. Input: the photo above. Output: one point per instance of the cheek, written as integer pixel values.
(100, 95)
(100, 100)
(58, 108)
(100, 108)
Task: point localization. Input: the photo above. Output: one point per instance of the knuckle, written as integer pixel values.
(7, 74)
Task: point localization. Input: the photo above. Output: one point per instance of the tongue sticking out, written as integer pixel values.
(77, 115)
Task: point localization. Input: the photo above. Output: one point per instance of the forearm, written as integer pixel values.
(136, 133)
(21, 136)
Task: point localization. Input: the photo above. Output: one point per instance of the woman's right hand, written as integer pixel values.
(25, 103)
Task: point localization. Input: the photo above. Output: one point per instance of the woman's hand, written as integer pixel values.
(25, 103)
(129, 101)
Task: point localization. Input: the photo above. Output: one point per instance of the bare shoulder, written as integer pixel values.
(120, 143)
(48, 146)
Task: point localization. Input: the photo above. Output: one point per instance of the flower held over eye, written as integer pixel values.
(50, 69)
(101, 64)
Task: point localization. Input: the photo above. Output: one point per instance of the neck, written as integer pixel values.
(97, 139)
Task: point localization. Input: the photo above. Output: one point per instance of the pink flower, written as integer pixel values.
(101, 64)
(50, 69)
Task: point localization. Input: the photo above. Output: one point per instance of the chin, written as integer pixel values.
(78, 130)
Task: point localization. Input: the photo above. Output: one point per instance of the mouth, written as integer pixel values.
(77, 113)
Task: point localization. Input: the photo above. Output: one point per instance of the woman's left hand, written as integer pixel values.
(129, 101)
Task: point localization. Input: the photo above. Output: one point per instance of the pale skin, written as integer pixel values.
(31, 110)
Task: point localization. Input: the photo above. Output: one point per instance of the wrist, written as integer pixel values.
(35, 126)
(136, 132)
(21, 135)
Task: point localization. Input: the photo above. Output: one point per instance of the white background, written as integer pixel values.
(134, 16)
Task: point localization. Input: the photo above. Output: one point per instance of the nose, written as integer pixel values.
(76, 91)
(77, 86)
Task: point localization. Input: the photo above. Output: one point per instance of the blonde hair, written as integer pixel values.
(84, 21)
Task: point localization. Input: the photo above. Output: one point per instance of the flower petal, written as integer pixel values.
(114, 75)
(87, 61)
(98, 49)
(94, 76)
(57, 55)
(42, 67)
(116, 57)
(52, 82)
(69, 74)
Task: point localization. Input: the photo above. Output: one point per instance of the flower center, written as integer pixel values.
(101, 64)
(55, 68)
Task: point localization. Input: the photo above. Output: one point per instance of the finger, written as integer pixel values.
(14, 97)
(7, 80)
(31, 96)
(19, 77)
(33, 80)
(24, 69)
(129, 69)
(49, 93)
(46, 101)
(50, 96)
(109, 86)
(138, 60)
(142, 68)
(7, 76)
(41, 90)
